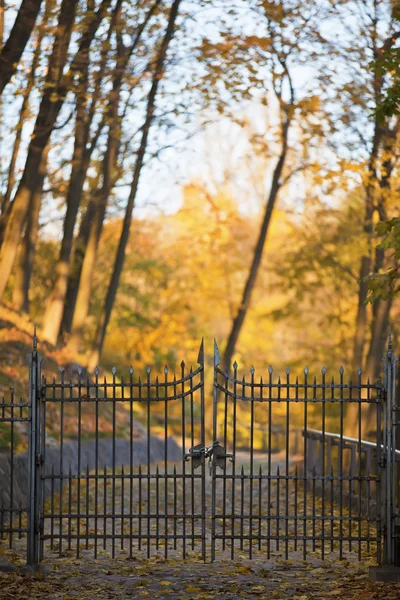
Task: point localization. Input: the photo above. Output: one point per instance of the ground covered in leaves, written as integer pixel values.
(107, 579)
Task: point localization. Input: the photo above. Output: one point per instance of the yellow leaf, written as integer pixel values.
(165, 582)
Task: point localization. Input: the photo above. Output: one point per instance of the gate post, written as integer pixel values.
(390, 571)
(389, 437)
(33, 456)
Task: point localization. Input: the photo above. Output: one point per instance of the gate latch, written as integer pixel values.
(215, 453)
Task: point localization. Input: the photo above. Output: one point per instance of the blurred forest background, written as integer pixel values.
(177, 169)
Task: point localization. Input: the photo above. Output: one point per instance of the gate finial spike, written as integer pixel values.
(217, 357)
(200, 357)
(390, 347)
(34, 337)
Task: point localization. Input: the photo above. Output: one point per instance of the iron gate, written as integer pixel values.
(282, 468)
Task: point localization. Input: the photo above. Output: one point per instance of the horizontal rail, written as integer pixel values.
(299, 384)
(122, 383)
(297, 399)
(316, 434)
(108, 399)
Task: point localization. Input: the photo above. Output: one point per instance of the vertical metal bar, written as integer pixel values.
(296, 481)
(87, 527)
(12, 442)
(368, 491)
(148, 461)
(166, 460)
(61, 472)
(140, 477)
(395, 530)
(122, 506)
(314, 475)
(87, 507)
(113, 464)
(261, 479)
(331, 511)
(175, 484)
(314, 480)
(259, 506)
(157, 507)
(105, 508)
(278, 485)
(183, 462)
(42, 460)
(52, 509)
(105, 523)
(242, 486)
(305, 467)
(390, 449)
(224, 474)
(157, 483)
(78, 498)
(323, 416)
(69, 506)
(33, 449)
(175, 508)
(96, 461)
(359, 461)
(192, 444)
(331, 471)
(200, 361)
(2, 509)
(378, 516)
(3, 416)
(287, 464)
(251, 462)
(269, 462)
(341, 400)
(235, 366)
(140, 507)
(130, 460)
(123, 478)
(351, 476)
(241, 507)
(20, 521)
(217, 362)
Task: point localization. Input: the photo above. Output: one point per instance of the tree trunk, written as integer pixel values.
(80, 162)
(86, 277)
(48, 112)
(13, 48)
(258, 252)
(120, 256)
(379, 333)
(381, 308)
(78, 300)
(88, 264)
(76, 266)
(366, 261)
(27, 251)
(23, 115)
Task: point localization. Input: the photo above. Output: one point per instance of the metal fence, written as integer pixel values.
(276, 474)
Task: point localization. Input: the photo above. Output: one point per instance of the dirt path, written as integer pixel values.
(127, 579)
